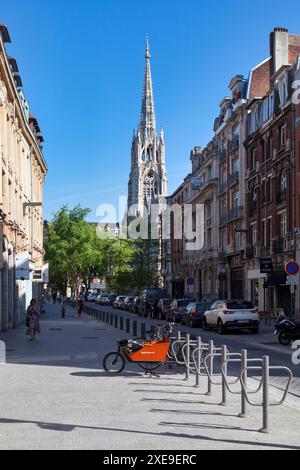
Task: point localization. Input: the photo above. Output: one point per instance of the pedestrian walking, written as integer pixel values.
(79, 307)
(63, 308)
(32, 320)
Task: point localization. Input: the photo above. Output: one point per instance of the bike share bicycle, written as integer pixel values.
(149, 353)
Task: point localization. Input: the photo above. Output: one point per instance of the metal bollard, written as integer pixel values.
(127, 325)
(111, 319)
(210, 367)
(199, 343)
(121, 323)
(266, 398)
(116, 321)
(134, 328)
(225, 369)
(143, 330)
(244, 363)
(107, 317)
(187, 370)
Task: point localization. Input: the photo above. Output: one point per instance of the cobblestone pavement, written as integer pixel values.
(55, 395)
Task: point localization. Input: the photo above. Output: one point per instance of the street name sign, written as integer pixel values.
(266, 265)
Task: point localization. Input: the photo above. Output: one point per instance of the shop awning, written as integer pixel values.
(277, 278)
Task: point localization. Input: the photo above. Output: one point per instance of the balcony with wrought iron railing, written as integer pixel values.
(234, 178)
(223, 220)
(234, 143)
(222, 188)
(222, 156)
(281, 196)
(235, 213)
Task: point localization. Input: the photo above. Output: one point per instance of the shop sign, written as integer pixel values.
(266, 265)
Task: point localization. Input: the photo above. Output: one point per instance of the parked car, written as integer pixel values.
(111, 299)
(150, 297)
(232, 314)
(92, 298)
(128, 303)
(163, 307)
(193, 314)
(135, 305)
(102, 298)
(118, 303)
(106, 300)
(177, 308)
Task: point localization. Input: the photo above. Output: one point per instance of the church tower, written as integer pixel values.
(148, 178)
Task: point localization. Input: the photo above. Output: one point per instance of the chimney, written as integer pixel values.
(279, 48)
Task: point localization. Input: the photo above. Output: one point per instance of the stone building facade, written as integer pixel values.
(23, 171)
(272, 162)
(255, 186)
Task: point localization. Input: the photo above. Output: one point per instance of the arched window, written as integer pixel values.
(150, 186)
(147, 154)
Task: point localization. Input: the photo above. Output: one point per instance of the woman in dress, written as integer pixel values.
(33, 320)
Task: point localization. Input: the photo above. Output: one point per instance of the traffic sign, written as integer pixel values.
(190, 281)
(292, 268)
(291, 281)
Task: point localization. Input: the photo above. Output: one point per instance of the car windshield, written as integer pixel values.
(166, 301)
(239, 305)
(183, 303)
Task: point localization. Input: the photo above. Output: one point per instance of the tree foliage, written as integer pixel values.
(76, 253)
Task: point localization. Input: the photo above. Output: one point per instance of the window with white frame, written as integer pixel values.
(282, 131)
(283, 224)
(264, 231)
(253, 233)
(265, 113)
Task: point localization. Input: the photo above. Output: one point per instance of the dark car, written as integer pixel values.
(119, 302)
(111, 299)
(135, 306)
(193, 314)
(163, 307)
(177, 308)
(128, 302)
(150, 298)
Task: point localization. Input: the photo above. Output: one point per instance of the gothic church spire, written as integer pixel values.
(148, 120)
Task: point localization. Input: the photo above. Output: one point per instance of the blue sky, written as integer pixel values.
(82, 65)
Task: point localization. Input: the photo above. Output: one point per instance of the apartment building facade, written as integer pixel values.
(23, 171)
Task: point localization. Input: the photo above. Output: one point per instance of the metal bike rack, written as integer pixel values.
(266, 368)
(241, 357)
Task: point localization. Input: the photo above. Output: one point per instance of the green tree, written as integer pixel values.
(76, 253)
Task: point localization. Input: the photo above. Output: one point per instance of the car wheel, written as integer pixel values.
(205, 324)
(221, 329)
(284, 340)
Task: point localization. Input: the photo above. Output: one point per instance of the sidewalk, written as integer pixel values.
(55, 395)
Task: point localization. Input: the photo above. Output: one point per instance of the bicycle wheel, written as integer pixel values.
(113, 363)
(149, 366)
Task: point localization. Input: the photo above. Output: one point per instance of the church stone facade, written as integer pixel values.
(148, 178)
